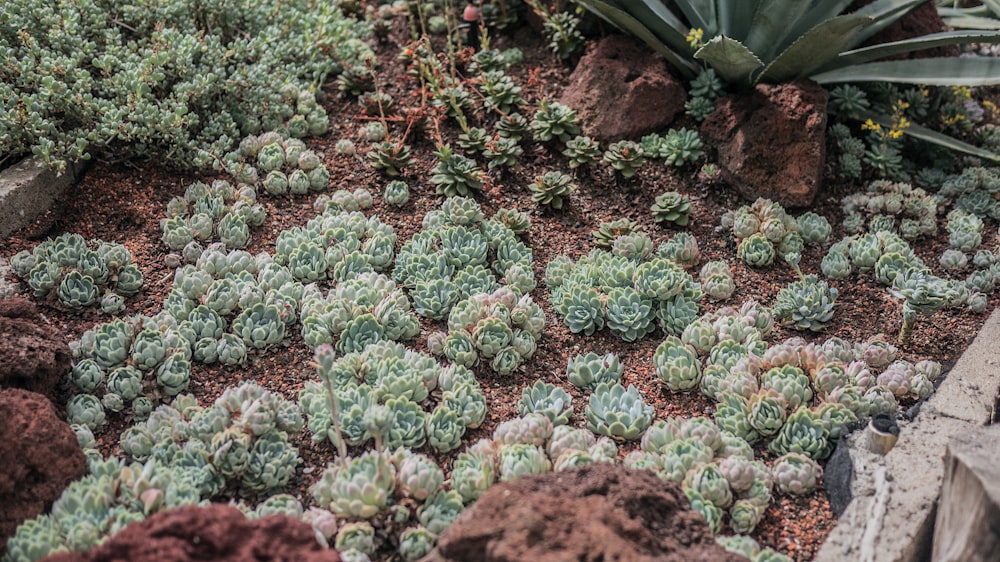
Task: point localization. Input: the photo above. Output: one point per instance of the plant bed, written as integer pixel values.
(126, 204)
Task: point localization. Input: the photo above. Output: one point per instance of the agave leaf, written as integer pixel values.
(970, 22)
(993, 6)
(773, 22)
(821, 11)
(814, 48)
(943, 71)
(701, 14)
(735, 17)
(886, 13)
(731, 59)
(882, 50)
(626, 22)
(932, 136)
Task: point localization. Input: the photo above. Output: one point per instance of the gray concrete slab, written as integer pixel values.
(891, 518)
(26, 191)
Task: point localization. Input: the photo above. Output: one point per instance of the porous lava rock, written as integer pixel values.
(924, 20)
(595, 512)
(218, 532)
(621, 89)
(771, 141)
(39, 457)
(33, 354)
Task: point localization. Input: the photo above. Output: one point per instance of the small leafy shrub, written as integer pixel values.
(219, 73)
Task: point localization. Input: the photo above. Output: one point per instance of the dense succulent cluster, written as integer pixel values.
(182, 455)
(280, 164)
(458, 254)
(384, 393)
(79, 274)
(716, 468)
(338, 244)
(764, 231)
(83, 86)
(217, 212)
(974, 191)
(892, 206)
(628, 290)
(499, 326)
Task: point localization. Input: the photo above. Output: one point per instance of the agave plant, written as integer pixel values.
(747, 42)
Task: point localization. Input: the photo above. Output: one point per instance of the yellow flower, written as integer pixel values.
(694, 37)
(870, 125)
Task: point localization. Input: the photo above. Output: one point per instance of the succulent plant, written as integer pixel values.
(814, 228)
(513, 126)
(806, 304)
(767, 410)
(500, 93)
(587, 371)
(418, 476)
(708, 481)
(626, 157)
(965, 230)
(473, 140)
(444, 429)
(552, 188)
(732, 415)
(796, 474)
(672, 207)
(390, 157)
(618, 412)
(804, 432)
(629, 313)
(415, 543)
(677, 365)
(85, 410)
(554, 120)
(547, 399)
(358, 487)
(440, 510)
(680, 146)
(503, 152)
(708, 510)
(582, 151)
(473, 473)
(455, 174)
(260, 325)
(519, 459)
(756, 250)
(922, 293)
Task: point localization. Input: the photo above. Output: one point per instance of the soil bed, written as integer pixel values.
(125, 204)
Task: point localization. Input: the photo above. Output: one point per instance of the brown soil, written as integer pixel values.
(125, 204)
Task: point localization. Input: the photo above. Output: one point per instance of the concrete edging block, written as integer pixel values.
(27, 190)
(891, 516)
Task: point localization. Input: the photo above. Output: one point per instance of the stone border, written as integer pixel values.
(891, 518)
(28, 190)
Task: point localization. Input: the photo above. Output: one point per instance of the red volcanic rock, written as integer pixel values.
(39, 457)
(621, 89)
(33, 355)
(771, 141)
(596, 512)
(219, 532)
